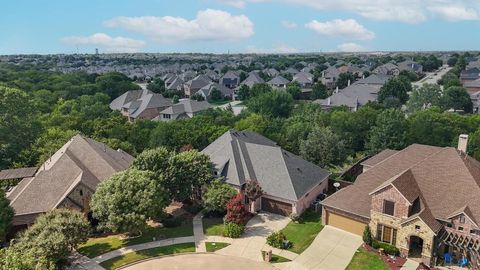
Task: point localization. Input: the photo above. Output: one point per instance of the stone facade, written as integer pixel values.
(418, 228)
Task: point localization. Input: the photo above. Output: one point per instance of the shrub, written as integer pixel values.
(172, 222)
(389, 249)
(236, 211)
(276, 240)
(233, 230)
(367, 236)
(295, 217)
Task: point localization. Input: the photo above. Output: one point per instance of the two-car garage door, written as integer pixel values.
(276, 207)
(345, 223)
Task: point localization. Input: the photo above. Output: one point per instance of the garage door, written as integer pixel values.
(276, 207)
(345, 223)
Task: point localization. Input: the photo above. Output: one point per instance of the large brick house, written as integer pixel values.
(290, 184)
(425, 200)
(66, 180)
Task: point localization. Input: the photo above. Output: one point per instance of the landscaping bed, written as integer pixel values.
(214, 246)
(146, 254)
(302, 233)
(367, 257)
(100, 245)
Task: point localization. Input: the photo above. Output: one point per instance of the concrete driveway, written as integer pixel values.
(253, 240)
(200, 261)
(332, 249)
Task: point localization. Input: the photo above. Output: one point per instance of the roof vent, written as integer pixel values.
(298, 169)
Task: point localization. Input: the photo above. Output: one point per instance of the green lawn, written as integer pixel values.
(364, 260)
(303, 233)
(278, 259)
(147, 253)
(214, 246)
(213, 226)
(98, 246)
(219, 102)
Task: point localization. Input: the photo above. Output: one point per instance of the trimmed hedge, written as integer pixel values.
(389, 249)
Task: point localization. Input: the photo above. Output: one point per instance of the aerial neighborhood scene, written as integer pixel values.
(240, 135)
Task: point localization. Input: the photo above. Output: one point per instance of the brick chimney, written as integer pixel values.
(462, 143)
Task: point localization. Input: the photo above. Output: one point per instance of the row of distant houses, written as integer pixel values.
(144, 104)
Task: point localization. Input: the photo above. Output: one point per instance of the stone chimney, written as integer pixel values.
(462, 143)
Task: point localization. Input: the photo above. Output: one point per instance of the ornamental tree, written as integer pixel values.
(217, 196)
(236, 211)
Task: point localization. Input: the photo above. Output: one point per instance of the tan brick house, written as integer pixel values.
(425, 200)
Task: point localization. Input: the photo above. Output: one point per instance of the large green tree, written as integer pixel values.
(396, 88)
(457, 98)
(294, 90)
(344, 79)
(319, 91)
(18, 124)
(6, 215)
(272, 104)
(389, 132)
(323, 147)
(126, 200)
(53, 236)
(424, 97)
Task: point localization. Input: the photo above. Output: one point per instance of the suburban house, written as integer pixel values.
(231, 79)
(252, 79)
(329, 77)
(425, 200)
(206, 91)
(271, 72)
(305, 79)
(387, 69)
(278, 82)
(470, 74)
(472, 86)
(194, 85)
(185, 108)
(140, 104)
(67, 179)
(176, 84)
(290, 184)
(411, 66)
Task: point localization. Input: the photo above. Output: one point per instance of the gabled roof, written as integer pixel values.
(446, 181)
(374, 79)
(466, 211)
(379, 157)
(150, 101)
(186, 106)
(127, 97)
(352, 96)
(80, 160)
(252, 79)
(241, 155)
(278, 80)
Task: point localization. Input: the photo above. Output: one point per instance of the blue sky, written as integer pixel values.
(220, 26)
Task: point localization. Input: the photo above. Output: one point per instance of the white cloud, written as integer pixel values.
(208, 25)
(279, 48)
(112, 44)
(351, 47)
(407, 11)
(455, 13)
(348, 29)
(234, 3)
(288, 24)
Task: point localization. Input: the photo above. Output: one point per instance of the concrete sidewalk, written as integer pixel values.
(161, 243)
(254, 240)
(198, 234)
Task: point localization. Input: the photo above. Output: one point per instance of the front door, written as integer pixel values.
(415, 247)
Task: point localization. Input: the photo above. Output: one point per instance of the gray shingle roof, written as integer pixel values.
(186, 106)
(241, 155)
(278, 80)
(79, 160)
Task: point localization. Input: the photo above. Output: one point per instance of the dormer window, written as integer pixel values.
(462, 219)
(388, 207)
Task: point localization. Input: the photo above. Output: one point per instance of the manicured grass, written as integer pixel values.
(303, 233)
(213, 226)
(219, 102)
(365, 260)
(214, 246)
(98, 246)
(147, 253)
(278, 259)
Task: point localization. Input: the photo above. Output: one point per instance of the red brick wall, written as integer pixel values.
(390, 193)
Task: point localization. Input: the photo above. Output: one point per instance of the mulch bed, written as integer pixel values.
(392, 264)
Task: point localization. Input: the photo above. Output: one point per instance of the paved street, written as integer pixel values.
(197, 261)
(431, 78)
